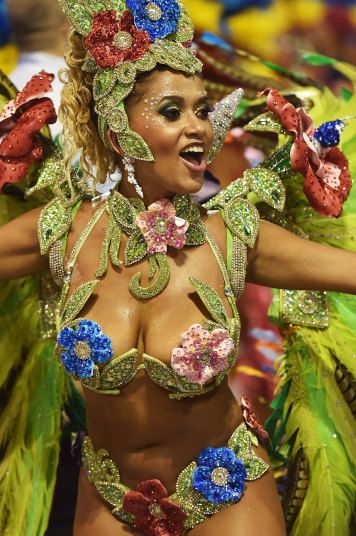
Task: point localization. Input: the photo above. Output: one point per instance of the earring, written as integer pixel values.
(128, 165)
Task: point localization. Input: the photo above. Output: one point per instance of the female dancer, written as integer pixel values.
(168, 449)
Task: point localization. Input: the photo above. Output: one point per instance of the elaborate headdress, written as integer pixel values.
(124, 39)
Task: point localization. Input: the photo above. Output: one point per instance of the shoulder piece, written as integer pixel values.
(54, 221)
(240, 215)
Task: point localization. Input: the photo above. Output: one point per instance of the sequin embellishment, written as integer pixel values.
(159, 18)
(84, 347)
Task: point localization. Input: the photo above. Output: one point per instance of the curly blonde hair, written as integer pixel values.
(76, 113)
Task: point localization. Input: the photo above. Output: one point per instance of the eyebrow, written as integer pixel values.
(180, 100)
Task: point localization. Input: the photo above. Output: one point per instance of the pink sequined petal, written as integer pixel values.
(163, 205)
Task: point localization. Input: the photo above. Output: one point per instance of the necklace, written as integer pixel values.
(164, 224)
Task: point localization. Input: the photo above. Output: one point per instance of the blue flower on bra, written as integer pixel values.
(220, 475)
(84, 346)
(159, 17)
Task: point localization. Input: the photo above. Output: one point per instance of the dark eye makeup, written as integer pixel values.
(173, 112)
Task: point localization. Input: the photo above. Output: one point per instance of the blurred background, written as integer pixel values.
(272, 36)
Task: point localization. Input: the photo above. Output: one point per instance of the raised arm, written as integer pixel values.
(19, 247)
(281, 259)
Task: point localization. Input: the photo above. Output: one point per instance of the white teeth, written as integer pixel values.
(194, 149)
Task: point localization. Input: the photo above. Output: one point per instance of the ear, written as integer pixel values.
(114, 144)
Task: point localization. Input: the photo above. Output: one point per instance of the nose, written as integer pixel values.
(194, 127)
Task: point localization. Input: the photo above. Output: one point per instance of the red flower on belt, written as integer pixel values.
(155, 514)
(20, 122)
(327, 180)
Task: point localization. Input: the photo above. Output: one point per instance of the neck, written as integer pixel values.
(150, 193)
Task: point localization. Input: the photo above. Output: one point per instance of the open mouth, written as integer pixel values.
(194, 158)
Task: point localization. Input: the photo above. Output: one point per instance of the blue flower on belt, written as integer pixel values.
(220, 475)
(158, 17)
(84, 346)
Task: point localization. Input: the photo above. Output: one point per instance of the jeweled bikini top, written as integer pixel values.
(207, 353)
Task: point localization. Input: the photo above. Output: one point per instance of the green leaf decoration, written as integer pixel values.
(90, 65)
(266, 122)
(305, 308)
(313, 58)
(118, 122)
(212, 301)
(184, 482)
(159, 372)
(185, 30)
(112, 492)
(243, 219)
(196, 234)
(158, 286)
(104, 252)
(209, 325)
(119, 371)
(115, 246)
(125, 517)
(267, 185)
(104, 81)
(175, 56)
(55, 219)
(92, 383)
(255, 467)
(147, 63)
(122, 211)
(78, 15)
(126, 73)
(134, 145)
(136, 248)
(279, 160)
(236, 189)
(77, 301)
(183, 205)
(49, 173)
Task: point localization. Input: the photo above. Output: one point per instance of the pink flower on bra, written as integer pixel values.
(161, 227)
(203, 354)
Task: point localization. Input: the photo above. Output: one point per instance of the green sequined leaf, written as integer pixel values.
(159, 372)
(92, 383)
(145, 293)
(112, 492)
(134, 145)
(78, 15)
(104, 81)
(267, 185)
(126, 72)
(175, 56)
(55, 219)
(115, 246)
(184, 481)
(243, 219)
(279, 160)
(255, 467)
(266, 122)
(182, 204)
(119, 371)
(185, 30)
(125, 517)
(136, 248)
(119, 206)
(236, 189)
(147, 63)
(49, 173)
(90, 65)
(305, 308)
(77, 301)
(104, 252)
(196, 234)
(212, 301)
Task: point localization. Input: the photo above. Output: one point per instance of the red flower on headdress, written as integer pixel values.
(327, 180)
(113, 41)
(155, 514)
(20, 122)
(251, 420)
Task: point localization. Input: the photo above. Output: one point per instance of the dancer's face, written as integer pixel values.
(170, 111)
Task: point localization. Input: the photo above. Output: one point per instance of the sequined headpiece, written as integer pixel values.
(124, 39)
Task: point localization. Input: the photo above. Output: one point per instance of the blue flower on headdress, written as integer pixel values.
(159, 17)
(84, 347)
(220, 475)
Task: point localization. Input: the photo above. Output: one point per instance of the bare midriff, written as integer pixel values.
(145, 432)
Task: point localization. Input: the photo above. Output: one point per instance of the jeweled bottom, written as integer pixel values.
(216, 480)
